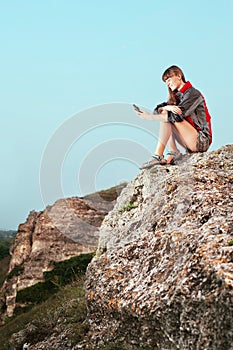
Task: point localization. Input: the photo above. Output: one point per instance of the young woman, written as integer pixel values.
(184, 119)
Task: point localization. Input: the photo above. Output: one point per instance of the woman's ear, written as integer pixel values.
(179, 76)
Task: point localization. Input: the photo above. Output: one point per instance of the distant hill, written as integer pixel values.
(7, 234)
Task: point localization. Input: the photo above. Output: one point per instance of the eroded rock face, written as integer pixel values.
(163, 275)
(68, 228)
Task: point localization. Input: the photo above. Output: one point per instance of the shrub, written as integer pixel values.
(37, 293)
(128, 206)
(63, 273)
(66, 271)
(16, 271)
(4, 248)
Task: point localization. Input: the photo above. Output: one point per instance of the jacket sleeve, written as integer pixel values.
(188, 103)
(155, 111)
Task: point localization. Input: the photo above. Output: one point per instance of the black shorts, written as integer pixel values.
(203, 142)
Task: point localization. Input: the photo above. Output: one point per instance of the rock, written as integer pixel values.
(163, 274)
(68, 228)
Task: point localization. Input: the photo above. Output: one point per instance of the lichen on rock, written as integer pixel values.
(163, 274)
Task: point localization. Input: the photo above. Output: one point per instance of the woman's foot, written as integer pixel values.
(173, 156)
(155, 160)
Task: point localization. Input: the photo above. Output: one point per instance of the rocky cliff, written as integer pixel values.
(163, 275)
(66, 229)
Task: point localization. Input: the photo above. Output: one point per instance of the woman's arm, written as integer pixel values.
(162, 113)
(149, 116)
(173, 108)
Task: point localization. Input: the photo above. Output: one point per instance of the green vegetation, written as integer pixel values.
(16, 271)
(128, 206)
(65, 271)
(66, 307)
(6, 239)
(63, 311)
(230, 242)
(4, 265)
(60, 297)
(62, 274)
(4, 248)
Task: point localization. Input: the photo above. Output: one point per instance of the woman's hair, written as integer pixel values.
(173, 70)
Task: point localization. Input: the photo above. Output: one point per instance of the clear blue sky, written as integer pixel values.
(61, 57)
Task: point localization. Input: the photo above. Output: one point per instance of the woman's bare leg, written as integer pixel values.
(172, 146)
(183, 131)
(187, 134)
(168, 133)
(165, 132)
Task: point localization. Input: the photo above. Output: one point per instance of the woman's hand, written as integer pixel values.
(162, 113)
(148, 116)
(173, 109)
(145, 115)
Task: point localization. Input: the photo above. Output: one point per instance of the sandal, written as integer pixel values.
(176, 156)
(155, 160)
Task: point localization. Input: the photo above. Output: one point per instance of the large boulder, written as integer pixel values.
(163, 274)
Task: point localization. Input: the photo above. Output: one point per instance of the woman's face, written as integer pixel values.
(174, 82)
